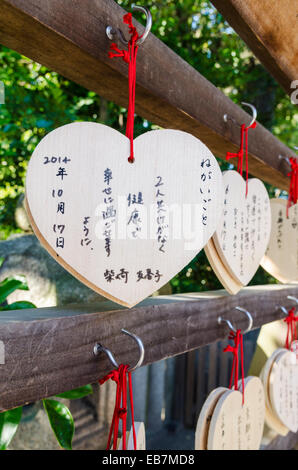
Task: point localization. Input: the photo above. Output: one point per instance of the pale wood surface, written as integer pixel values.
(222, 274)
(76, 42)
(224, 431)
(140, 438)
(242, 235)
(281, 257)
(253, 412)
(271, 419)
(159, 211)
(238, 426)
(283, 389)
(203, 423)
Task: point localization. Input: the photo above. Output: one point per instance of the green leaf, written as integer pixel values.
(61, 422)
(1, 260)
(77, 393)
(19, 305)
(9, 421)
(11, 284)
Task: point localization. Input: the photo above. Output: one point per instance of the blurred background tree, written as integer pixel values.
(38, 100)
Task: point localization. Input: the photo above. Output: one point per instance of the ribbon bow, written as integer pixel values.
(238, 341)
(120, 376)
(293, 191)
(129, 57)
(291, 328)
(240, 153)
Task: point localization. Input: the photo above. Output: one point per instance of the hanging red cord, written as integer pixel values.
(130, 57)
(293, 190)
(238, 341)
(240, 153)
(120, 376)
(291, 328)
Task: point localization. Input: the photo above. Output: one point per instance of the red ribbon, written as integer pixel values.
(240, 153)
(293, 191)
(291, 328)
(120, 376)
(238, 341)
(129, 57)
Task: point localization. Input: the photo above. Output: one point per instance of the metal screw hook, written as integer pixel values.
(250, 320)
(291, 297)
(254, 114)
(112, 32)
(99, 348)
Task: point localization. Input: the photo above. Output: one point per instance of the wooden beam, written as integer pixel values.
(50, 350)
(288, 442)
(269, 28)
(70, 37)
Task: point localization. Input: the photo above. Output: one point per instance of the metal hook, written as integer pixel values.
(291, 297)
(283, 309)
(99, 348)
(282, 157)
(112, 32)
(254, 114)
(250, 320)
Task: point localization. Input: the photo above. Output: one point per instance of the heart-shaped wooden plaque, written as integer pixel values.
(123, 229)
(281, 257)
(242, 235)
(238, 426)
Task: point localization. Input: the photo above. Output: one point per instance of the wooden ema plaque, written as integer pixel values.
(123, 229)
(227, 424)
(271, 420)
(283, 389)
(243, 234)
(281, 257)
(140, 437)
(203, 423)
(219, 268)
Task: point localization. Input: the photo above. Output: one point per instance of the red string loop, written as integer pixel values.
(130, 57)
(293, 190)
(120, 376)
(240, 153)
(238, 341)
(291, 328)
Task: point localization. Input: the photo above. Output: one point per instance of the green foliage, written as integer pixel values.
(10, 284)
(59, 415)
(61, 422)
(9, 421)
(77, 393)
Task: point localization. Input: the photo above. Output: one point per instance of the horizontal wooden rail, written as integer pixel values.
(270, 30)
(70, 37)
(50, 350)
(288, 442)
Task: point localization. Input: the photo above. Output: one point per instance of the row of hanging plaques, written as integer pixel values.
(230, 420)
(125, 229)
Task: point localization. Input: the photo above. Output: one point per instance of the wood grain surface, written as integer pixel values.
(50, 350)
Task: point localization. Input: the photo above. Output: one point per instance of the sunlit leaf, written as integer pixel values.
(61, 422)
(9, 422)
(11, 284)
(77, 393)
